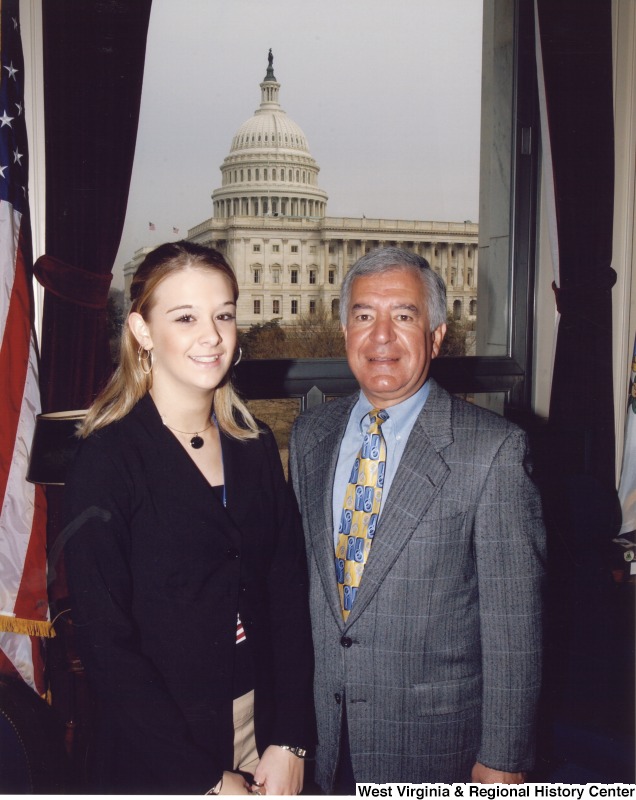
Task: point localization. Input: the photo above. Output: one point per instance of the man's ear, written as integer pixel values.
(438, 337)
(139, 330)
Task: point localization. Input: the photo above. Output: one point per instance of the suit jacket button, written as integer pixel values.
(232, 553)
(338, 697)
(346, 641)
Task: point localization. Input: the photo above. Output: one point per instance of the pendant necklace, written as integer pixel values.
(196, 441)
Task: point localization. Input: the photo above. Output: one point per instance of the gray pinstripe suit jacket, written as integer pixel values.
(440, 657)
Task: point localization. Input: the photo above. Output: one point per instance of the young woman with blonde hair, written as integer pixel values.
(186, 566)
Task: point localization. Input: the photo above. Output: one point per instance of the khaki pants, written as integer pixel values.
(245, 754)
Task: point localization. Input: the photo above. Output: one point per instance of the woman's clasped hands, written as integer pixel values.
(279, 772)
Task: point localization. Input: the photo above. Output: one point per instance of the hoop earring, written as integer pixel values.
(145, 360)
(240, 356)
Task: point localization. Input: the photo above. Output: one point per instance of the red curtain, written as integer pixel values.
(93, 70)
(589, 659)
(576, 51)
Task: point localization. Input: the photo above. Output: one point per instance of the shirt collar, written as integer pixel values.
(401, 415)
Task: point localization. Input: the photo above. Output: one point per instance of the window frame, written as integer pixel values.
(314, 380)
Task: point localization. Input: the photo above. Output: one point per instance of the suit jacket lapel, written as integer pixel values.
(320, 463)
(420, 476)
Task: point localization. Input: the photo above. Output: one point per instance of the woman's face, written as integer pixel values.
(191, 329)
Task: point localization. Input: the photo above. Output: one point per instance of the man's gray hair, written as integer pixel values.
(384, 259)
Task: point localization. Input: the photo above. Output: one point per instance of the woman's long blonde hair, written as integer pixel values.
(129, 382)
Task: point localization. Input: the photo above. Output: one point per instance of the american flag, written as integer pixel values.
(23, 596)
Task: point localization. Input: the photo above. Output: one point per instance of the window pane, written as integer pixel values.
(439, 185)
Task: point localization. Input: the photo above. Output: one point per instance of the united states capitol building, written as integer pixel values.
(270, 219)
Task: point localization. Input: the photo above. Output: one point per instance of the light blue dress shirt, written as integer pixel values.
(396, 430)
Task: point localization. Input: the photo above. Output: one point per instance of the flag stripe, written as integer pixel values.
(6, 665)
(14, 352)
(240, 631)
(10, 227)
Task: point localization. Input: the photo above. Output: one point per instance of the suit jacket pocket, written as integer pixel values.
(447, 697)
(443, 526)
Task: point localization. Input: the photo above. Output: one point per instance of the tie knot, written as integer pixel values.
(377, 416)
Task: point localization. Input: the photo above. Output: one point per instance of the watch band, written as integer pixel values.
(297, 751)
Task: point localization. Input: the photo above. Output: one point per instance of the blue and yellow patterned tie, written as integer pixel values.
(360, 512)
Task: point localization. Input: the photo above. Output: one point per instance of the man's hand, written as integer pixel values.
(279, 772)
(482, 774)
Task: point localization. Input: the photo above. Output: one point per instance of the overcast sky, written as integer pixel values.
(387, 93)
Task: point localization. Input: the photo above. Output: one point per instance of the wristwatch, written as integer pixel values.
(297, 751)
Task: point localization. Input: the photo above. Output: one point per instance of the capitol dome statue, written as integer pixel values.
(269, 170)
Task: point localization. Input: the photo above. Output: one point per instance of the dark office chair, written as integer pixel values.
(32, 757)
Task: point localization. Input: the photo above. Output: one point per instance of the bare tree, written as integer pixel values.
(115, 315)
(454, 343)
(263, 340)
(314, 335)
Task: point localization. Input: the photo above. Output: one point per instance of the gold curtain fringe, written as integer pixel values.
(28, 627)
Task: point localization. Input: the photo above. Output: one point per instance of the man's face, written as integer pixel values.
(388, 338)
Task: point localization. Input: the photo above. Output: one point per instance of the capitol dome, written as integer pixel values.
(269, 170)
(267, 130)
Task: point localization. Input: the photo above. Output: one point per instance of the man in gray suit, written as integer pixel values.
(428, 642)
